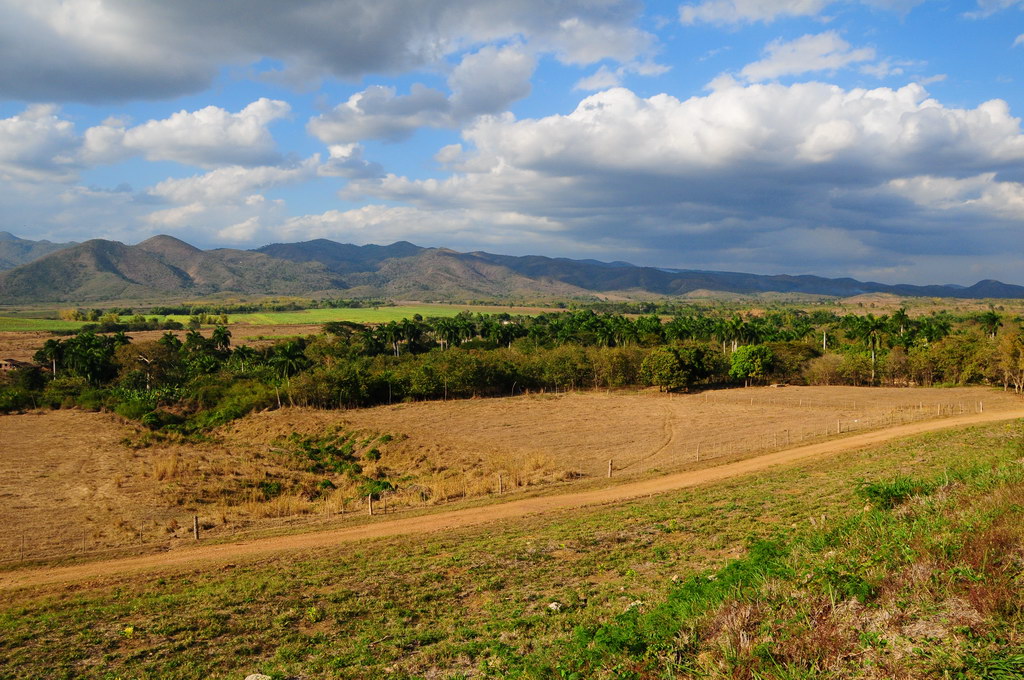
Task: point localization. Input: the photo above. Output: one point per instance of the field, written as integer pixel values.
(549, 596)
(11, 324)
(306, 317)
(81, 482)
(366, 314)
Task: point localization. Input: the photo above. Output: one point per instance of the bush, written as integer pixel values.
(133, 410)
(15, 399)
(889, 494)
(63, 391)
(232, 402)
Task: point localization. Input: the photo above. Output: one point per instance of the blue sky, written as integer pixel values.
(879, 139)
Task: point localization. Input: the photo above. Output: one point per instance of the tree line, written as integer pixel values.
(192, 381)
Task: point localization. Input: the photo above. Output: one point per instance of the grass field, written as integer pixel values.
(785, 574)
(21, 324)
(302, 317)
(365, 315)
(79, 487)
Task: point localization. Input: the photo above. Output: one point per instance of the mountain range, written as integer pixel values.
(16, 251)
(166, 267)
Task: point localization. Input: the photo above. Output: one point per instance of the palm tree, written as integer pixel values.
(288, 358)
(991, 322)
(391, 333)
(242, 354)
(935, 328)
(221, 338)
(869, 330)
(52, 351)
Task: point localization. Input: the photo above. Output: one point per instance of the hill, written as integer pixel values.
(408, 270)
(100, 270)
(163, 265)
(16, 251)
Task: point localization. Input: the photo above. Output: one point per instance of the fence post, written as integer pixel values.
(609, 469)
(369, 504)
(501, 484)
(195, 527)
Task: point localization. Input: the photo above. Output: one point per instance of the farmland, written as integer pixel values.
(551, 431)
(478, 602)
(111, 492)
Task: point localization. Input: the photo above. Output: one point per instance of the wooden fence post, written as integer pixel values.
(195, 526)
(609, 469)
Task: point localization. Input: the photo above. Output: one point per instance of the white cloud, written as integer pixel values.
(346, 160)
(981, 194)
(489, 80)
(210, 136)
(486, 81)
(233, 183)
(87, 50)
(584, 42)
(809, 53)
(739, 11)
(1019, 40)
(37, 145)
(987, 8)
(602, 79)
(668, 179)
(724, 12)
(378, 113)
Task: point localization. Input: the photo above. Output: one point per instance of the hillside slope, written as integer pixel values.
(100, 270)
(15, 251)
(163, 265)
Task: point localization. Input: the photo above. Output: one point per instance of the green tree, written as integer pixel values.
(676, 368)
(751, 363)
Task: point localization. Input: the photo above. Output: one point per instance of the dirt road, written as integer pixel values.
(202, 556)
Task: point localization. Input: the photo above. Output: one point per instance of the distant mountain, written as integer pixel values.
(165, 266)
(16, 251)
(99, 270)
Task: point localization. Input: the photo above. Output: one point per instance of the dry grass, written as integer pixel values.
(70, 484)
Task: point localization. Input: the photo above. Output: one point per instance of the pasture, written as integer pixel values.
(580, 591)
(88, 481)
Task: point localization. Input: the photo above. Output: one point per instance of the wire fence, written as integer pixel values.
(683, 447)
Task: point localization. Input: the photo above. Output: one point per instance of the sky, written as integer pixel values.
(878, 139)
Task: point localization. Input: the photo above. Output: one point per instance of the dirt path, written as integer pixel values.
(206, 555)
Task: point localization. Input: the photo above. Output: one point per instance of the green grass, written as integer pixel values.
(785, 574)
(361, 315)
(10, 323)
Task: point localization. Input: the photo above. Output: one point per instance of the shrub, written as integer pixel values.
(889, 494)
(15, 399)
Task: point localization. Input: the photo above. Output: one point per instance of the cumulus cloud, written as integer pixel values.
(207, 137)
(233, 183)
(738, 11)
(346, 160)
(486, 81)
(987, 8)
(724, 12)
(1019, 40)
(85, 50)
(37, 145)
(744, 165)
(809, 53)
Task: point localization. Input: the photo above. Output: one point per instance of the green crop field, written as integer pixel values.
(10, 323)
(361, 315)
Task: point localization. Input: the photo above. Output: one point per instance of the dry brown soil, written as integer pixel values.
(70, 485)
(21, 345)
(204, 556)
